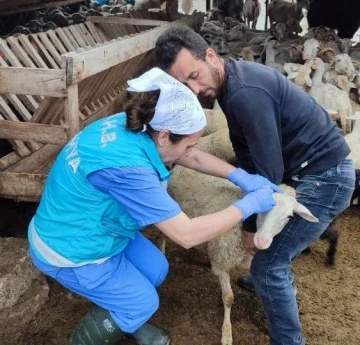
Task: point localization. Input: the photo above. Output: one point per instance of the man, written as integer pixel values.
(280, 132)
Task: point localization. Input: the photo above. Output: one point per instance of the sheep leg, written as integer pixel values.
(266, 13)
(162, 244)
(343, 121)
(228, 299)
(254, 24)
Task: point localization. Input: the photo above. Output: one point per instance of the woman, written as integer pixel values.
(107, 184)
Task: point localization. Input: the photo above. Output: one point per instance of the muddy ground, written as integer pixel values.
(191, 308)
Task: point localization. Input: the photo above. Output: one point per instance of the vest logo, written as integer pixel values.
(108, 326)
(107, 135)
(73, 158)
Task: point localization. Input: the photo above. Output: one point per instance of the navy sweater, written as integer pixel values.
(277, 130)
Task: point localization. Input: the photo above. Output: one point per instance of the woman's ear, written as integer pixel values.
(163, 137)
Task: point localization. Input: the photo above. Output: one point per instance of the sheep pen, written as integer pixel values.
(191, 307)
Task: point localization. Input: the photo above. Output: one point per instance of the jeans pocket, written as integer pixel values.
(347, 170)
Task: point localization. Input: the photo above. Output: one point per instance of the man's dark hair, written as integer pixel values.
(173, 40)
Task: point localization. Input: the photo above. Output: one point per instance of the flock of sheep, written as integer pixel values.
(320, 62)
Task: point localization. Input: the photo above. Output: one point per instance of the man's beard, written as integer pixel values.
(215, 77)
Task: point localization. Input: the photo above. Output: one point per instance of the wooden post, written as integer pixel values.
(266, 12)
(72, 110)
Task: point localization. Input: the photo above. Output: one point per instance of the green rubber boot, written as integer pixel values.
(149, 335)
(97, 328)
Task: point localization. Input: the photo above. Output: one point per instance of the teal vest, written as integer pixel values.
(76, 220)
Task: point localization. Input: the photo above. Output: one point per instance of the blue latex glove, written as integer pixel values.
(249, 182)
(259, 201)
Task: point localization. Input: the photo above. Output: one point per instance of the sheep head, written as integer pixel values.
(271, 223)
(344, 65)
(311, 49)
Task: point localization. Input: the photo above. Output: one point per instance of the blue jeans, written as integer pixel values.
(326, 195)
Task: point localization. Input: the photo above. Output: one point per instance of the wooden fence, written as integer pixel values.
(55, 82)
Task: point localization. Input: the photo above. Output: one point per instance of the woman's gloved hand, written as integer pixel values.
(259, 201)
(249, 182)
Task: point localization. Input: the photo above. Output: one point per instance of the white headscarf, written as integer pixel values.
(177, 110)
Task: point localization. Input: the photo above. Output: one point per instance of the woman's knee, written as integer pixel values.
(162, 272)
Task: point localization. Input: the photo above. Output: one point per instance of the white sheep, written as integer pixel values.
(311, 49)
(341, 66)
(329, 96)
(302, 76)
(353, 140)
(200, 194)
(271, 53)
(215, 119)
(344, 65)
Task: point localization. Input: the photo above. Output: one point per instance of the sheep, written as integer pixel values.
(340, 72)
(343, 65)
(291, 67)
(321, 40)
(329, 96)
(281, 11)
(214, 14)
(226, 251)
(231, 8)
(271, 54)
(280, 31)
(332, 14)
(241, 32)
(343, 83)
(331, 235)
(294, 25)
(249, 53)
(230, 22)
(251, 12)
(356, 195)
(302, 76)
(353, 140)
(354, 53)
(357, 84)
(212, 28)
(215, 120)
(311, 49)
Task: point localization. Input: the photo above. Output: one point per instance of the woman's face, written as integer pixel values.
(170, 152)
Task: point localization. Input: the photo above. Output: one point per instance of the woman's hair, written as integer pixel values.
(140, 110)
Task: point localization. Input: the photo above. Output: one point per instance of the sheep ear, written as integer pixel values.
(352, 85)
(308, 81)
(292, 75)
(303, 212)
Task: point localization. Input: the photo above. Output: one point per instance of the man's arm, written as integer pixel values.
(259, 117)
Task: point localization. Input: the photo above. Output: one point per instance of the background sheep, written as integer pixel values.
(329, 96)
(281, 11)
(251, 12)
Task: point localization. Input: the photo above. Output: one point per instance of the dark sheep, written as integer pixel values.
(231, 8)
(342, 15)
(332, 236)
(356, 194)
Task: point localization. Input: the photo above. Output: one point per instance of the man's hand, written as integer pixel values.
(249, 182)
(248, 241)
